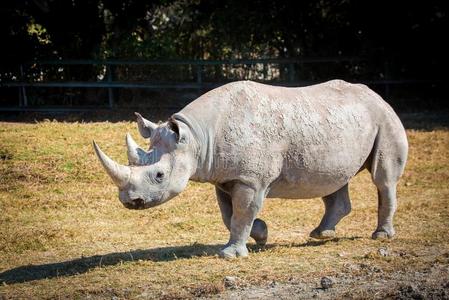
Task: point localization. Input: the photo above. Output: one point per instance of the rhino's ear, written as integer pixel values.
(179, 129)
(145, 126)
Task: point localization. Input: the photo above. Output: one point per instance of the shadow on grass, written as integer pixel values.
(84, 264)
(308, 243)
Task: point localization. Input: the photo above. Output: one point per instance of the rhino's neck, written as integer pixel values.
(202, 147)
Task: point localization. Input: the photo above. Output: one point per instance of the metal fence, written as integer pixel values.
(108, 80)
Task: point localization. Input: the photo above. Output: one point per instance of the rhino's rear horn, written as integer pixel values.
(120, 174)
(136, 155)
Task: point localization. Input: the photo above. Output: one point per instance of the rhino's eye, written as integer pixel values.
(159, 176)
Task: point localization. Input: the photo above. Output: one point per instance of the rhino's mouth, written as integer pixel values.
(139, 204)
(135, 204)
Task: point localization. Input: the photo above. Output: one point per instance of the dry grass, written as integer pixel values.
(65, 234)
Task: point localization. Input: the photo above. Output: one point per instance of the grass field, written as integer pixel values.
(64, 233)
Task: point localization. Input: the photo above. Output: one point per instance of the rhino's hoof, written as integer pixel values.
(233, 251)
(323, 234)
(382, 235)
(259, 232)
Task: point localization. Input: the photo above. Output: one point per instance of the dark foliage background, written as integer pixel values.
(409, 36)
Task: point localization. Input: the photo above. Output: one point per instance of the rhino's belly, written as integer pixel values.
(316, 177)
(311, 187)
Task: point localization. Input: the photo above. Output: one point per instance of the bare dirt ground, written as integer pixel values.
(359, 281)
(64, 233)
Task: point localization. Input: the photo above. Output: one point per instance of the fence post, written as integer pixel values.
(199, 71)
(291, 72)
(20, 97)
(387, 77)
(23, 100)
(110, 92)
(265, 70)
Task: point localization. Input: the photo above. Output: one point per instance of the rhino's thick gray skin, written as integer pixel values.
(255, 141)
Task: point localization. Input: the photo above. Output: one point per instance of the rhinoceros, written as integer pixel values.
(255, 141)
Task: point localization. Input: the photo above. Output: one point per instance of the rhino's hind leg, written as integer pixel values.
(386, 210)
(388, 162)
(385, 173)
(337, 205)
(259, 231)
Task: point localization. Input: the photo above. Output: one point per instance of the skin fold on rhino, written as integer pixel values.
(255, 141)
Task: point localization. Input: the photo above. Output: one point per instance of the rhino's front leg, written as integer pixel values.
(246, 203)
(259, 231)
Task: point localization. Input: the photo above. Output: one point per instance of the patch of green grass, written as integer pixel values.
(65, 234)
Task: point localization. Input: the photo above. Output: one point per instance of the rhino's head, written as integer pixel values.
(157, 175)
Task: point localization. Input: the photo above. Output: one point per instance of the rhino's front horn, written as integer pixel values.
(120, 174)
(136, 155)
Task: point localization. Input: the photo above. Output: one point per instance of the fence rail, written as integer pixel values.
(198, 83)
(198, 62)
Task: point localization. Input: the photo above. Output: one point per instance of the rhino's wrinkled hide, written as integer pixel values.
(255, 141)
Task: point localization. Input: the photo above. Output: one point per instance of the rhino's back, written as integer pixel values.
(299, 142)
